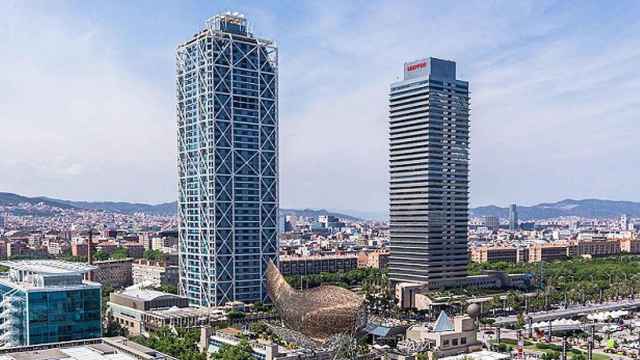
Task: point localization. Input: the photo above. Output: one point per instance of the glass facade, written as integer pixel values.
(64, 315)
(43, 316)
(227, 123)
(429, 175)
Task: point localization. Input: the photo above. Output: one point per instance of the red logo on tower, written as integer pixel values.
(417, 66)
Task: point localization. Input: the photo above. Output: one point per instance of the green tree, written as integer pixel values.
(235, 315)
(154, 255)
(495, 303)
(113, 328)
(182, 343)
(101, 255)
(260, 307)
(520, 322)
(242, 351)
(171, 289)
(120, 253)
(259, 327)
(551, 355)
(106, 292)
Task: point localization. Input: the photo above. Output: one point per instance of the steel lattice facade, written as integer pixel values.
(227, 120)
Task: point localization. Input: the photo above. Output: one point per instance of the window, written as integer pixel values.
(445, 343)
(463, 341)
(454, 342)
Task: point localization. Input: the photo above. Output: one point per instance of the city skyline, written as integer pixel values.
(536, 65)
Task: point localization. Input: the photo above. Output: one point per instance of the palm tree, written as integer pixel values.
(513, 300)
(494, 303)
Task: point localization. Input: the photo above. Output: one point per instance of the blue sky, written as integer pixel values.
(87, 101)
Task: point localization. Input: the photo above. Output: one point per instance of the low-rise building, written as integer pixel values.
(154, 273)
(47, 301)
(630, 246)
(142, 310)
(55, 248)
(3, 249)
(316, 264)
(78, 249)
(134, 250)
(523, 255)
(597, 248)
(418, 296)
(95, 349)
(128, 306)
(16, 247)
(485, 254)
(116, 273)
(158, 242)
(106, 247)
(447, 337)
(549, 252)
(378, 259)
(184, 317)
(212, 342)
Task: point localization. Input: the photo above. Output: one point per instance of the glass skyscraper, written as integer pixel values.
(513, 217)
(227, 119)
(429, 175)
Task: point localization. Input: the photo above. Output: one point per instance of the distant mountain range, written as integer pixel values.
(164, 209)
(8, 199)
(587, 208)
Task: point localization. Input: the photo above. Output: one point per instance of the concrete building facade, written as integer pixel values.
(116, 273)
(316, 264)
(429, 174)
(154, 273)
(549, 252)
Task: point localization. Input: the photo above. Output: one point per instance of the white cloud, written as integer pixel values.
(552, 100)
(78, 123)
(553, 86)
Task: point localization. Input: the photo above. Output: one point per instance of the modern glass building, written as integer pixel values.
(227, 117)
(513, 217)
(46, 301)
(429, 175)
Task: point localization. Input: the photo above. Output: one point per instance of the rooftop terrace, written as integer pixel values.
(48, 266)
(39, 274)
(116, 348)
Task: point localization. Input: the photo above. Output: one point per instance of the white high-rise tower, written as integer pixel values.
(227, 117)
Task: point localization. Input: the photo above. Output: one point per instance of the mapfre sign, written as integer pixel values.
(418, 66)
(416, 69)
